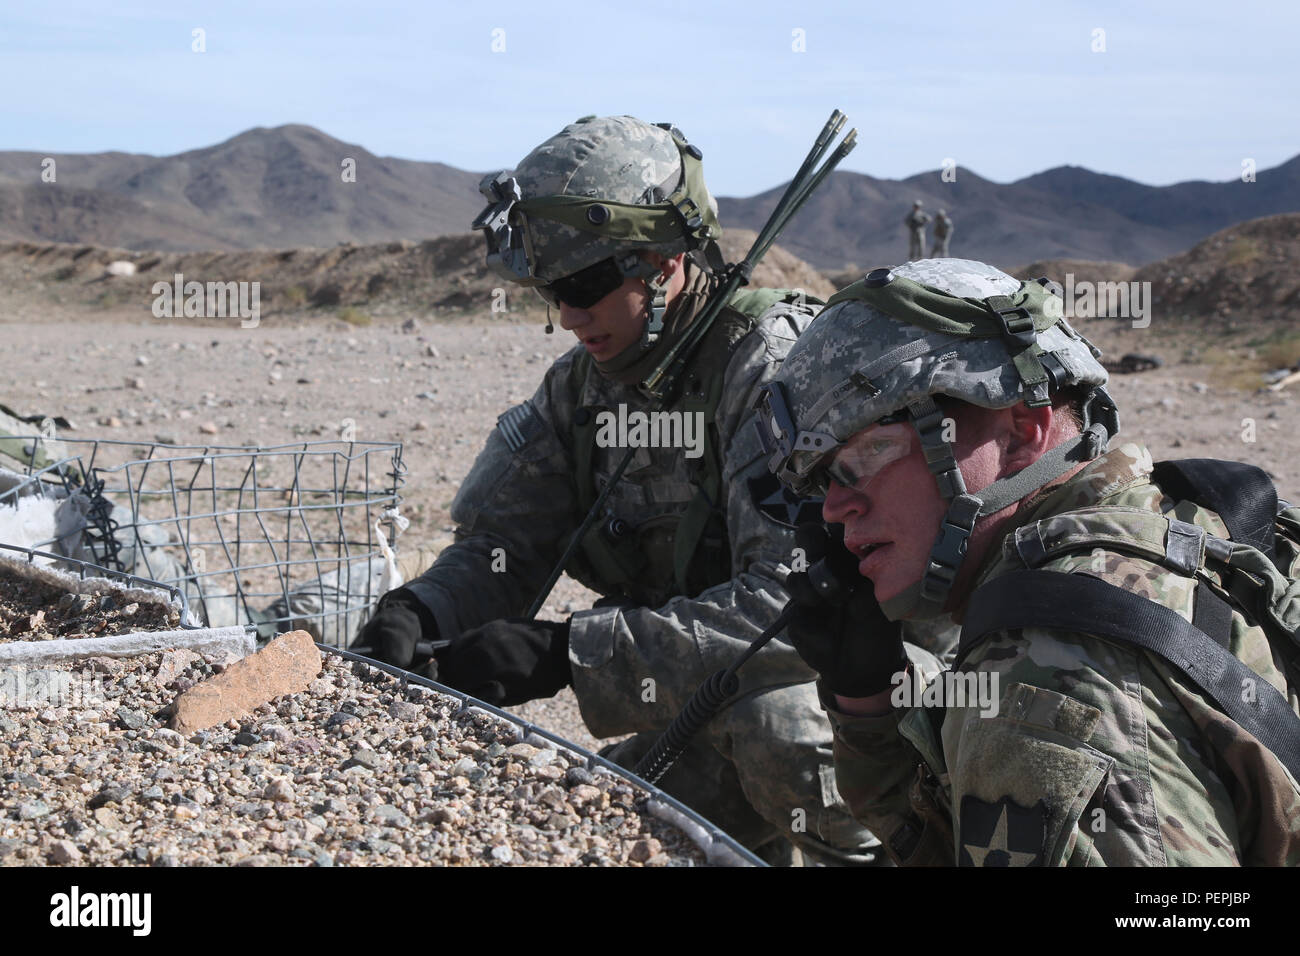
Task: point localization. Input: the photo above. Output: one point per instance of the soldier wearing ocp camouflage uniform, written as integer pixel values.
(610, 221)
(1142, 717)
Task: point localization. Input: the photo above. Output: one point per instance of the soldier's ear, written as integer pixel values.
(1028, 435)
(670, 265)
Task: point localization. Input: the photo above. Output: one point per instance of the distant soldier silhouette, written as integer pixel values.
(942, 233)
(916, 222)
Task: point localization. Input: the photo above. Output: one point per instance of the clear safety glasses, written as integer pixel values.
(860, 460)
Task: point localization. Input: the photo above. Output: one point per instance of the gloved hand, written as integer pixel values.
(844, 635)
(399, 622)
(508, 661)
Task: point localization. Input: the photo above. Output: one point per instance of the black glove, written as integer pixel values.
(840, 631)
(508, 661)
(400, 621)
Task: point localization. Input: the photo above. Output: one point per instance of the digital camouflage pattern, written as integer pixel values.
(857, 364)
(637, 661)
(1100, 753)
(620, 159)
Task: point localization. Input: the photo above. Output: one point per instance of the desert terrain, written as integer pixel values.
(421, 357)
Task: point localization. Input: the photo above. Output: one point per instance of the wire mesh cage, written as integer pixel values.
(280, 537)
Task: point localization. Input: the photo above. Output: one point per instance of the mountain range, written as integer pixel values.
(284, 187)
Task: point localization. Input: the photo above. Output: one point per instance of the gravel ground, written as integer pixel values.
(32, 610)
(356, 770)
(439, 386)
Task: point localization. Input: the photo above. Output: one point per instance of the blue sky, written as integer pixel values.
(1182, 91)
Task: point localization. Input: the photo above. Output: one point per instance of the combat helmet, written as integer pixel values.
(884, 347)
(580, 208)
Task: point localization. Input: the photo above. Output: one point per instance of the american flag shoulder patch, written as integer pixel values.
(519, 424)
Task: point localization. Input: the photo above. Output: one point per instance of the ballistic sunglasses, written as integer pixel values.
(585, 288)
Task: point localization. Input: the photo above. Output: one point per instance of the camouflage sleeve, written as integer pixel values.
(513, 512)
(634, 668)
(1101, 753)
(1095, 755)
(886, 776)
(1094, 758)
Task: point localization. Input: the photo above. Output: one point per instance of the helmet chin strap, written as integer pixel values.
(927, 598)
(657, 304)
(656, 289)
(657, 294)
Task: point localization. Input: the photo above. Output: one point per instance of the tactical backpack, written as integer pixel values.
(701, 550)
(1258, 565)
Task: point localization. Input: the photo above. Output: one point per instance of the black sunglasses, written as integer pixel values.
(585, 288)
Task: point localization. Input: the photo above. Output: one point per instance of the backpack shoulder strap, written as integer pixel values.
(1178, 545)
(1266, 591)
(1084, 604)
(1242, 495)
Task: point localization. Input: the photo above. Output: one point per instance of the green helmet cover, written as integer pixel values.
(601, 187)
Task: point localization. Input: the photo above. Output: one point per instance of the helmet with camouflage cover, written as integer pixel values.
(884, 347)
(603, 188)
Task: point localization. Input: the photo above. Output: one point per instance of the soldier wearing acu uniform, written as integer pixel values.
(916, 222)
(942, 233)
(1137, 657)
(610, 221)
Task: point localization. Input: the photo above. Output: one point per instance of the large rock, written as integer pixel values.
(285, 666)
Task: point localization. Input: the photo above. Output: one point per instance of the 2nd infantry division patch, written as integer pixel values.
(780, 504)
(1002, 833)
